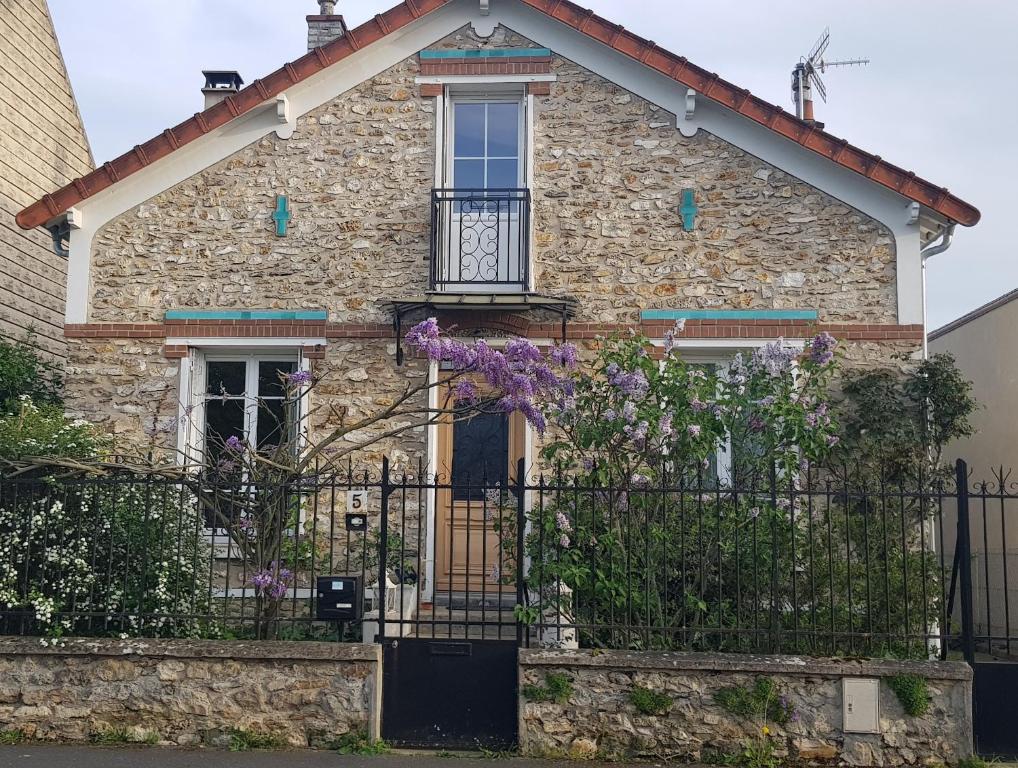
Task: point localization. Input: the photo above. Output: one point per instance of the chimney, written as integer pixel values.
(219, 84)
(326, 26)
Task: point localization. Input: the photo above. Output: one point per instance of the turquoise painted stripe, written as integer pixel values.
(246, 314)
(729, 314)
(487, 53)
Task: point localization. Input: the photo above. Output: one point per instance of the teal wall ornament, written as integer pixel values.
(688, 210)
(282, 215)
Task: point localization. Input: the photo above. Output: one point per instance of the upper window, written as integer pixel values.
(486, 143)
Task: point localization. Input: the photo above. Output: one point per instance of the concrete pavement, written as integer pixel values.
(49, 756)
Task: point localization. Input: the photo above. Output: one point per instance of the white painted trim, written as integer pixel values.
(852, 188)
(427, 593)
(184, 396)
(527, 156)
(247, 342)
(483, 79)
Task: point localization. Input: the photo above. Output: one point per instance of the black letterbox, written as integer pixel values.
(339, 598)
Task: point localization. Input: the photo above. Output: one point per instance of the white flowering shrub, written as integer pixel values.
(102, 558)
(29, 428)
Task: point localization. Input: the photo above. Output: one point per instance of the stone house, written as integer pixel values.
(512, 166)
(42, 146)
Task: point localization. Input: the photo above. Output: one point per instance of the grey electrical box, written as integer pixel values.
(860, 705)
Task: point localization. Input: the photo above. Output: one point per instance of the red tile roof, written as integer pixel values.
(586, 22)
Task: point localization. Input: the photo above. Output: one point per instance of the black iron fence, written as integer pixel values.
(480, 238)
(832, 560)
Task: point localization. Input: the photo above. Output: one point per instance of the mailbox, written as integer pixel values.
(339, 598)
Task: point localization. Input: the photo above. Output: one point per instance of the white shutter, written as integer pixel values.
(194, 405)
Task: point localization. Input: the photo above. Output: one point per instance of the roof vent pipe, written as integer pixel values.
(326, 26)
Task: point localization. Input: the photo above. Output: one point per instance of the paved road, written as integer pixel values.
(44, 756)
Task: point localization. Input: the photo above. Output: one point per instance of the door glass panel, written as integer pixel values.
(480, 455)
(503, 174)
(469, 120)
(503, 130)
(226, 377)
(469, 174)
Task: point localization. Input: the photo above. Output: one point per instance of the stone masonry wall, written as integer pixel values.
(609, 168)
(189, 692)
(598, 719)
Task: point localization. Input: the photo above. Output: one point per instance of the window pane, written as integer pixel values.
(269, 382)
(480, 454)
(469, 139)
(226, 377)
(503, 130)
(271, 424)
(468, 174)
(223, 419)
(503, 174)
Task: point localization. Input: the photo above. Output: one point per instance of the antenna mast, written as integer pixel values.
(806, 77)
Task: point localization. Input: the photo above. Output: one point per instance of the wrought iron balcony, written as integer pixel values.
(480, 240)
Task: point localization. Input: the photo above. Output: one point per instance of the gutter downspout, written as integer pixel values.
(946, 238)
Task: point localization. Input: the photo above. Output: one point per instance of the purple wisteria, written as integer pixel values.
(272, 582)
(520, 376)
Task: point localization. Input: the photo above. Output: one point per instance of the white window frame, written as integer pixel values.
(193, 395)
(720, 352)
(503, 95)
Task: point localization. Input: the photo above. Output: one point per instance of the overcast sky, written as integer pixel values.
(938, 98)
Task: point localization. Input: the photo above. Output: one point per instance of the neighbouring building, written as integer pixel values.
(979, 342)
(42, 146)
(512, 166)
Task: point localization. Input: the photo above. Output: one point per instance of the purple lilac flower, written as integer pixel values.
(694, 430)
(756, 423)
(680, 326)
(775, 358)
(563, 541)
(631, 384)
(821, 348)
(610, 415)
(588, 464)
(235, 444)
(639, 480)
(832, 440)
(697, 405)
(562, 522)
(298, 379)
(629, 412)
(565, 355)
(665, 425)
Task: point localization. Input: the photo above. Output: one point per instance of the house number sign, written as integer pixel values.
(357, 510)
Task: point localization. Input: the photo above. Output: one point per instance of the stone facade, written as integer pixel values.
(42, 146)
(599, 719)
(189, 692)
(608, 171)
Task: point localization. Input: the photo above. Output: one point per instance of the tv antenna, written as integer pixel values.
(806, 76)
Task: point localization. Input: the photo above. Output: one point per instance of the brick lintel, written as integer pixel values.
(504, 321)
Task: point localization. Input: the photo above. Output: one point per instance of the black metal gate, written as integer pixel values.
(450, 661)
(987, 639)
(994, 692)
(453, 694)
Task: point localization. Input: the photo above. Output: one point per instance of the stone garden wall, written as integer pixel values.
(580, 704)
(189, 692)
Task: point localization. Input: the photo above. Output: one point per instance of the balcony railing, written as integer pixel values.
(480, 240)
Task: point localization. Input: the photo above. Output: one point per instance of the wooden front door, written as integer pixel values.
(477, 457)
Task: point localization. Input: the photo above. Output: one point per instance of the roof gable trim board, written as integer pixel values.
(586, 23)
